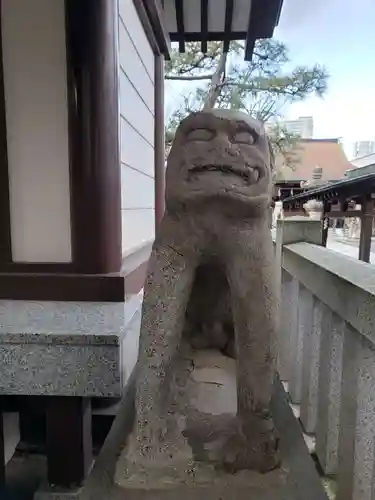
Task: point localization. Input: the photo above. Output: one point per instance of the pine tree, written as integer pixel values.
(262, 87)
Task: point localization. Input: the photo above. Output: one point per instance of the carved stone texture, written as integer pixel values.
(314, 209)
(209, 286)
(278, 213)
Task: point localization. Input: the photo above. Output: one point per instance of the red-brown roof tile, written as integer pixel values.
(309, 153)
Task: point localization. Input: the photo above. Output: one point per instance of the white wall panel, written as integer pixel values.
(135, 150)
(137, 189)
(131, 63)
(34, 61)
(138, 227)
(137, 122)
(134, 109)
(129, 17)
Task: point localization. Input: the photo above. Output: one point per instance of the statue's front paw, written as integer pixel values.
(253, 447)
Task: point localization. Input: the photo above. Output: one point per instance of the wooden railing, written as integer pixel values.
(326, 352)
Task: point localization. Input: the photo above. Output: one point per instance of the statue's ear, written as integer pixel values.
(272, 154)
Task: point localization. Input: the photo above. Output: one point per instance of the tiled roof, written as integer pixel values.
(310, 153)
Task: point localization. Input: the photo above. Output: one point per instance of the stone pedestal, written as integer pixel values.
(213, 395)
(216, 393)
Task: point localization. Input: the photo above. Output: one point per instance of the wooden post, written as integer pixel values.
(2, 448)
(325, 223)
(159, 140)
(94, 122)
(366, 229)
(69, 442)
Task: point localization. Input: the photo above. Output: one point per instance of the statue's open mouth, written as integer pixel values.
(250, 174)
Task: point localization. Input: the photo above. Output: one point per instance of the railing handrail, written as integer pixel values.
(356, 272)
(350, 297)
(326, 351)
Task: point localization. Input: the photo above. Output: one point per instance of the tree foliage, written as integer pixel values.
(262, 87)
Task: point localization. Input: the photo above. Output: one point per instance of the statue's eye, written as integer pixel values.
(244, 137)
(200, 134)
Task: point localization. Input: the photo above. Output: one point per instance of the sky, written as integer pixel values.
(339, 34)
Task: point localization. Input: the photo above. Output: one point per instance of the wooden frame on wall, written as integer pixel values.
(92, 88)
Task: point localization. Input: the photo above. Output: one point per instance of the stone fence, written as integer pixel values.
(326, 352)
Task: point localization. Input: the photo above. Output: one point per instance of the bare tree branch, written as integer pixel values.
(216, 83)
(189, 77)
(260, 88)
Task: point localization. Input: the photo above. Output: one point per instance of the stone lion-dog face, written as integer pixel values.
(221, 153)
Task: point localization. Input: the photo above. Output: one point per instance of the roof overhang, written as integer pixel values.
(212, 20)
(337, 190)
(221, 20)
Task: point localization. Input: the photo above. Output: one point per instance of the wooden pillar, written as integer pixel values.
(2, 448)
(366, 229)
(94, 124)
(5, 229)
(325, 223)
(159, 140)
(69, 443)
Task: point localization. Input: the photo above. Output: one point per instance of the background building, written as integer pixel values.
(363, 148)
(309, 155)
(303, 126)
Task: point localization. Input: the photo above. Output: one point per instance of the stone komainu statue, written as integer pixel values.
(210, 284)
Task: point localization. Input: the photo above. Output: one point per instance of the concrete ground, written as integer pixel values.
(26, 472)
(347, 247)
(303, 481)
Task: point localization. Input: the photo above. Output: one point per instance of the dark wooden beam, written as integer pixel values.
(249, 48)
(325, 222)
(159, 141)
(179, 5)
(339, 214)
(252, 28)
(38, 267)
(264, 17)
(5, 235)
(104, 118)
(146, 24)
(155, 13)
(204, 25)
(344, 205)
(69, 443)
(212, 36)
(95, 169)
(64, 287)
(135, 268)
(2, 448)
(229, 6)
(135, 280)
(366, 229)
(80, 287)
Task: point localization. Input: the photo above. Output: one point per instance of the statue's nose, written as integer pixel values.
(225, 146)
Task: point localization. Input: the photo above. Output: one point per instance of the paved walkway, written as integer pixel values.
(350, 249)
